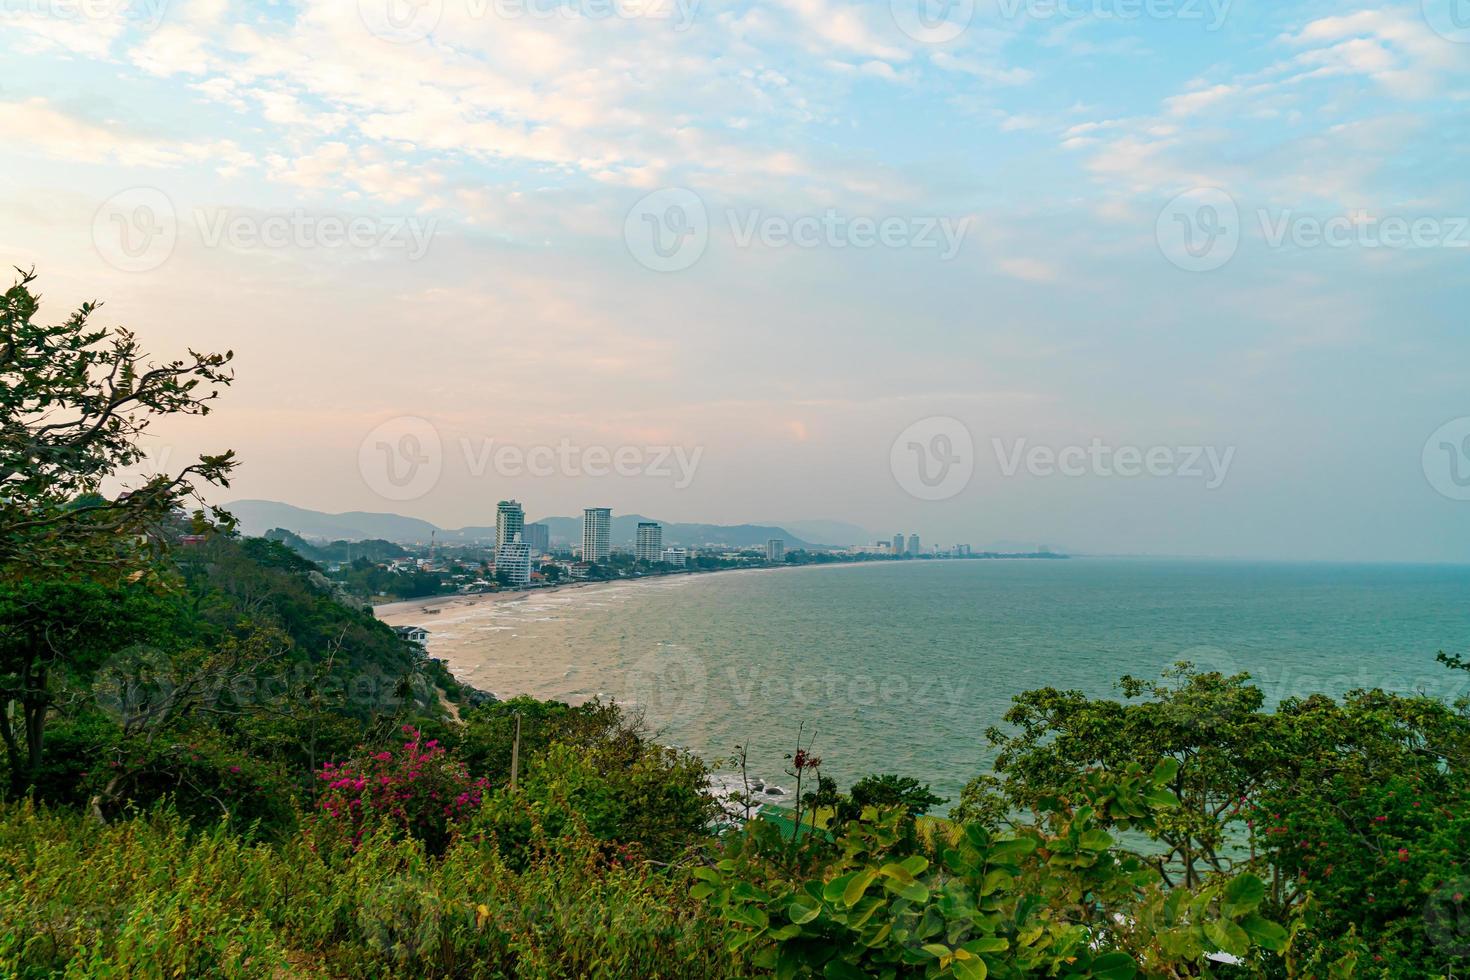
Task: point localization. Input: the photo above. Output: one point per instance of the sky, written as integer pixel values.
(1175, 277)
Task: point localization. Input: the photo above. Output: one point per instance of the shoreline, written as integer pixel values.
(441, 602)
(422, 605)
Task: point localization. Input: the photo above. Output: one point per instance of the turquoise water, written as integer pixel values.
(902, 667)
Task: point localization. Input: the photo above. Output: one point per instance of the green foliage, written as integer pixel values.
(1055, 898)
(151, 897)
(74, 402)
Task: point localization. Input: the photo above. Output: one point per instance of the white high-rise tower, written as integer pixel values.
(650, 543)
(596, 534)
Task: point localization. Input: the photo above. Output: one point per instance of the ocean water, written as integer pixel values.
(901, 667)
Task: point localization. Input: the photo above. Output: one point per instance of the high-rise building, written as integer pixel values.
(776, 549)
(537, 538)
(596, 534)
(510, 521)
(676, 556)
(913, 544)
(513, 563)
(649, 545)
(898, 543)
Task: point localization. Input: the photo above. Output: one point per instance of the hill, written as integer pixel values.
(259, 517)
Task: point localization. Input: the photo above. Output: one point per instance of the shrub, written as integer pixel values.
(417, 789)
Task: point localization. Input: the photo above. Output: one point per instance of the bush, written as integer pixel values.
(418, 790)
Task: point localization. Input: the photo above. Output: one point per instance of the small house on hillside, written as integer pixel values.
(413, 634)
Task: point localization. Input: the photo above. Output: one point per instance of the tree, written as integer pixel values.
(1211, 725)
(75, 402)
(53, 631)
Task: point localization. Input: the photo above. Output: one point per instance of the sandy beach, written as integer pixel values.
(512, 643)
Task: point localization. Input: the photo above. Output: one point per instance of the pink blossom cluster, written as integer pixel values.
(419, 788)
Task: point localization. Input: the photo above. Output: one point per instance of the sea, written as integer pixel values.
(902, 667)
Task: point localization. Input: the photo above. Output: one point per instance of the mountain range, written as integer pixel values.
(259, 516)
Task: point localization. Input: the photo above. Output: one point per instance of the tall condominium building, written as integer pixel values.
(913, 544)
(898, 543)
(510, 521)
(537, 538)
(596, 534)
(513, 563)
(650, 543)
(776, 549)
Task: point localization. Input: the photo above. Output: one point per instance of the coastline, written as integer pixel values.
(440, 602)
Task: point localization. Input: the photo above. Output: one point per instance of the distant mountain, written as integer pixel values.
(832, 533)
(625, 531)
(259, 516)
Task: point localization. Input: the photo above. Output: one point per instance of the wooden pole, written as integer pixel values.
(515, 753)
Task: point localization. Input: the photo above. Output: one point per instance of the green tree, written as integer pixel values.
(75, 402)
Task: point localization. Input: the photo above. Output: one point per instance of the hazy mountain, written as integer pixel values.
(625, 532)
(259, 516)
(834, 533)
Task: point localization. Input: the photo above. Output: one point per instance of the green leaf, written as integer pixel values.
(853, 893)
(1114, 966)
(1228, 937)
(995, 880)
(1165, 771)
(877, 938)
(1095, 840)
(842, 970)
(915, 865)
(1242, 894)
(702, 890)
(1007, 849)
(1264, 933)
(970, 969)
(987, 944)
(937, 950)
(1161, 799)
(832, 891)
(914, 891)
(801, 914)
